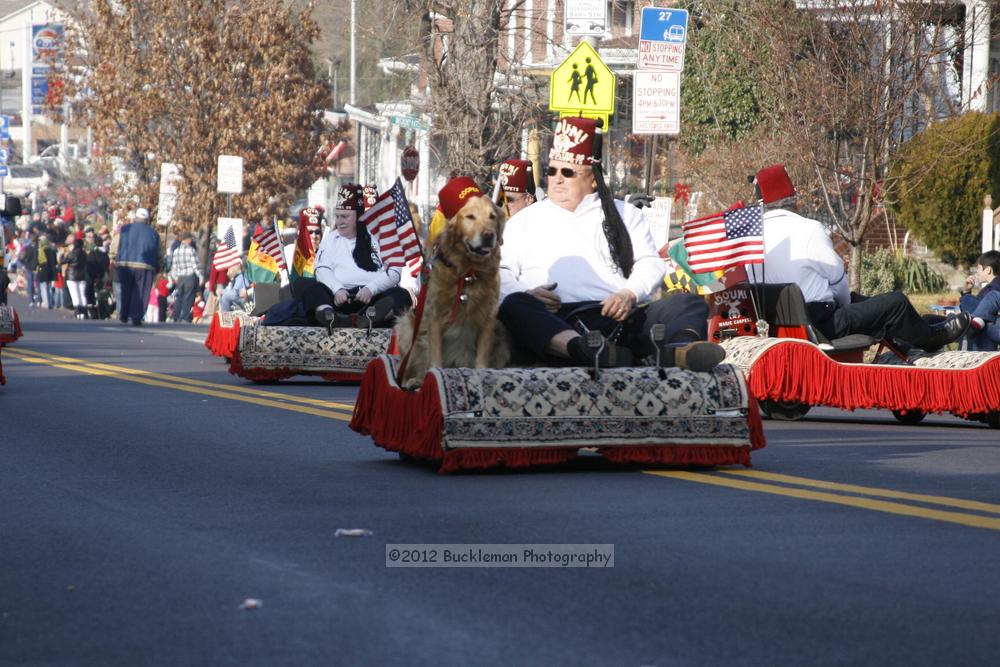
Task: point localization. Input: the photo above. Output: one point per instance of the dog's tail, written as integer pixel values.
(404, 331)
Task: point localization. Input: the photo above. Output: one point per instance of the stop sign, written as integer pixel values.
(410, 163)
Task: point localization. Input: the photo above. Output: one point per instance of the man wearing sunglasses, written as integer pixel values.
(517, 181)
(582, 255)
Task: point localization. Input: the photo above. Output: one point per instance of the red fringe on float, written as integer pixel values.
(273, 374)
(803, 374)
(213, 331)
(411, 423)
(6, 340)
(222, 341)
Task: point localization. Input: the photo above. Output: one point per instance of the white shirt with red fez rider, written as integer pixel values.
(798, 249)
(547, 243)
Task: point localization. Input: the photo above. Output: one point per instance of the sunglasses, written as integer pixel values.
(566, 172)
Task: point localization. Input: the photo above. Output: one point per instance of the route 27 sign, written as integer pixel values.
(662, 38)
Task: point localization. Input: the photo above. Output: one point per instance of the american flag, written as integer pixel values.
(389, 223)
(227, 253)
(725, 239)
(267, 241)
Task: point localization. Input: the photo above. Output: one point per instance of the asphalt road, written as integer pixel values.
(140, 511)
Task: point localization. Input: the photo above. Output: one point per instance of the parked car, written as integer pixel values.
(25, 178)
(50, 159)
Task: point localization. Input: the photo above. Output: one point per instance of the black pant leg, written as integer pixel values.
(143, 285)
(888, 315)
(127, 286)
(394, 302)
(683, 315)
(313, 294)
(186, 287)
(530, 324)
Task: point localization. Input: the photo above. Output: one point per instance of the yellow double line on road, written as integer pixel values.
(271, 399)
(969, 513)
(864, 497)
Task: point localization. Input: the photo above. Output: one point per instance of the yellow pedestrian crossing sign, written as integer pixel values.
(582, 85)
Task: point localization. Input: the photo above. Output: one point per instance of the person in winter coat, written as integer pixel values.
(47, 271)
(97, 271)
(75, 261)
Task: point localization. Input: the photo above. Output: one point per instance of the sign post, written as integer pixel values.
(656, 107)
(47, 40)
(586, 17)
(657, 81)
(662, 38)
(410, 163)
(230, 178)
(170, 175)
(582, 85)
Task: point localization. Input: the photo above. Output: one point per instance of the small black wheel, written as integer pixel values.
(993, 419)
(909, 417)
(785, 411)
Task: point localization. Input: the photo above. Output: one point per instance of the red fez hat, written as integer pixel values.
(774, 183)
(517, 176)
(370, 195)
(574, 141)
(311, 218)
(454, 195)
(350, 198)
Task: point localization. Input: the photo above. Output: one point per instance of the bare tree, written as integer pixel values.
(185, 81)
(480, 102)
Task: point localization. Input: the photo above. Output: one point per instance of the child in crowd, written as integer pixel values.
(198, 308)
(162, 291)
(153, 309)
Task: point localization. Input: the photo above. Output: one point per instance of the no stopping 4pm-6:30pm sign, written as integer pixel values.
(657, 102)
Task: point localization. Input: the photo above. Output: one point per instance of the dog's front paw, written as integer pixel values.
(412, 384)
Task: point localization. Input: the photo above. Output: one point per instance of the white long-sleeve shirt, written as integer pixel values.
(799, 250)
(545, 243)
(336, 268)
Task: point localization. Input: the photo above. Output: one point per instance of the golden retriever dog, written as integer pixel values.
(459, 327)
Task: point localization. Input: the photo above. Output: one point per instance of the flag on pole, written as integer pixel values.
(227, 253)
(264, 260)
(716, 242)
(304, 259)
(681, 277)
(390, 224)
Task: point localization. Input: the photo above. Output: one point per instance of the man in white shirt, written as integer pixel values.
(579, 246)
(799, 250)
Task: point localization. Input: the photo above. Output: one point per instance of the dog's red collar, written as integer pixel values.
(470, 276)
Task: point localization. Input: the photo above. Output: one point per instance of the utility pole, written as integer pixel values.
(354, 25)
(26, 151)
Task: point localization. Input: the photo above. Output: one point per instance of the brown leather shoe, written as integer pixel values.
(700, 356)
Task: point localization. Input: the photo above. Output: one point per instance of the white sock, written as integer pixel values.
(978, 323)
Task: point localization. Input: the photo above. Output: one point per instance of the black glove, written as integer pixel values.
(640, 200)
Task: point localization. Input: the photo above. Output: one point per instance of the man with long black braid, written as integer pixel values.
(581, 246)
